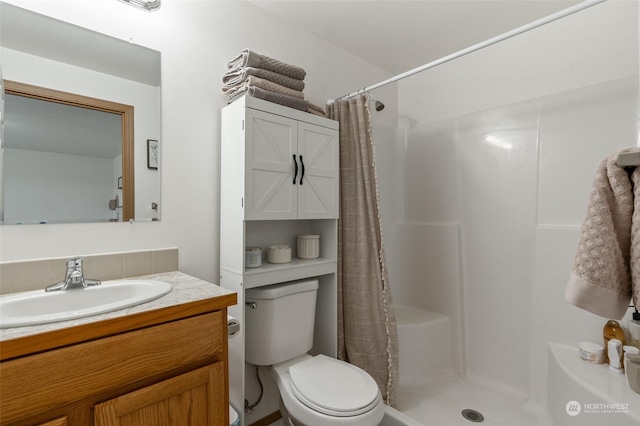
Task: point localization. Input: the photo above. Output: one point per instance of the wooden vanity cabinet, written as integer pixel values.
(170, 373)
(62, 421)
(189, 399)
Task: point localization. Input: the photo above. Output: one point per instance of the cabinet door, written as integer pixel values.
(318, 190)
(270, 191)
(195, 398)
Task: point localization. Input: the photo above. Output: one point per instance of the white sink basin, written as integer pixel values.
(40, 307)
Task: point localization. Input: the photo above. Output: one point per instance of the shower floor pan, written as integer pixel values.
(430, 391)
(442, 404)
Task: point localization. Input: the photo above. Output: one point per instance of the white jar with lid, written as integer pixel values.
(279, 254)
(308, 246)
(592, 352)
(252, 257)
(628, 349)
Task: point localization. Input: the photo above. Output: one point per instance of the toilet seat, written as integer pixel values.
(302, 414)
(333, 387)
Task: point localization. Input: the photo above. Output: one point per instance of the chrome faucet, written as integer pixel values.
(74, 278)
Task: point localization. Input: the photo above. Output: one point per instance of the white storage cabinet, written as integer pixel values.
(290, 166)
(266, 200)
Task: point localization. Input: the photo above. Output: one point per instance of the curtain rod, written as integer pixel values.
(504, 36)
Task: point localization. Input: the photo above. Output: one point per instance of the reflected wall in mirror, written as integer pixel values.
(64, 157)
(42, 54)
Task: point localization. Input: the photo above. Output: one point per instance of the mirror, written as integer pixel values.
(64, 83)
(59, 145)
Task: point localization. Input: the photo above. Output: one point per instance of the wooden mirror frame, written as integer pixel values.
(126, 114)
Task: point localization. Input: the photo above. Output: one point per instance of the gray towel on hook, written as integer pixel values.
(606, 270)
(249, 58)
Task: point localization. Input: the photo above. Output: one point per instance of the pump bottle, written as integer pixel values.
(611, 330)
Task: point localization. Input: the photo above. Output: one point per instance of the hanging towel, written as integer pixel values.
(634, 258)
(608, 251)
(237, 76)
(249, 58)
(262, 83)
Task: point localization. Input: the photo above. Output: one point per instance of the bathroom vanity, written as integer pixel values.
(163, 362)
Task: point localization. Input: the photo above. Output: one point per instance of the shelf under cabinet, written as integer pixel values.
(297, 269)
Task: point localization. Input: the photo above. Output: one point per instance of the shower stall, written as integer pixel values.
(484, 182)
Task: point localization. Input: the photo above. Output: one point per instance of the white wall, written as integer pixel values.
(196, 39)
(498, 164)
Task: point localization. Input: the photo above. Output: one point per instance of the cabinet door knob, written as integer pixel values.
(302, 174)
(295, 173)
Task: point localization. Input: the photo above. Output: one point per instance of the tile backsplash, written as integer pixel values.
(37, 274)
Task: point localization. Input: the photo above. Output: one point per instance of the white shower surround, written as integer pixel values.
(485, 184)
(505, 190)
(430, 394)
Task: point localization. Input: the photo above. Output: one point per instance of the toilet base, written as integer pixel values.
(295, 412)
(286, 420)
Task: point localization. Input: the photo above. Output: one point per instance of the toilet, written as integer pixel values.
(314, 390)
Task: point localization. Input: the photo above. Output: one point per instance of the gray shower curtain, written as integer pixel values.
(367, 329)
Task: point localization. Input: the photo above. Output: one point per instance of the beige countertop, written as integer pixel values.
(185, 289)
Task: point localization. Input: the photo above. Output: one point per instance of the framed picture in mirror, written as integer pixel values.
(152, 154)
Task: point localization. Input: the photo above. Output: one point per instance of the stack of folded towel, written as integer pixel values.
(266, 78)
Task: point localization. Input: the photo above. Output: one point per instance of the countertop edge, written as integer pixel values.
(145, 315)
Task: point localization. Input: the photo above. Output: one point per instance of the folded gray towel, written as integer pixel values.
(313, 108)
(274, 97)
(262, 83)
(237, 76)
(316, 112)
(249, 58)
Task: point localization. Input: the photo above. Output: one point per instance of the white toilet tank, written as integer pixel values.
(281, 325)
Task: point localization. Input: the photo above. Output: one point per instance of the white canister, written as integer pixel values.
(308, 246)
(628, 349)
(252, 257)
(279, 254)
(592, 352)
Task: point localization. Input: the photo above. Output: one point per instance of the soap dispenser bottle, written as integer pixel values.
(611, 330)
(634, 330)
(615, 356)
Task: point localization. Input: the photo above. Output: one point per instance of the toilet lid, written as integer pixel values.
(333, 387)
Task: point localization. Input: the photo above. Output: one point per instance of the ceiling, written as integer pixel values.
(399, 35)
